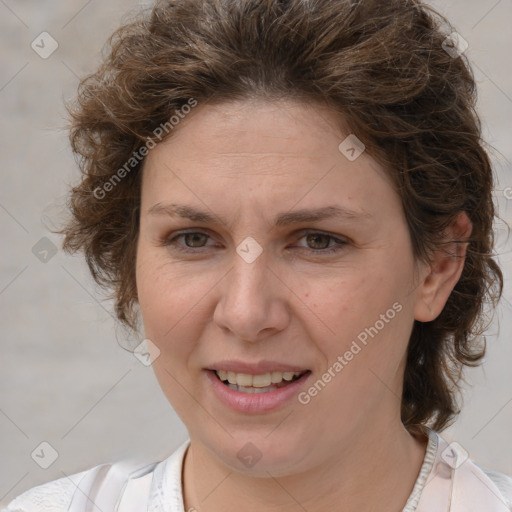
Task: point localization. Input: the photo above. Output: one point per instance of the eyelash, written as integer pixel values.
(171, 242)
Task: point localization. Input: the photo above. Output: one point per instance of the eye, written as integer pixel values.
(318, 242)
(192, 239)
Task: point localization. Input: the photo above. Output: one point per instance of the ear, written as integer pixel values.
(444, 270)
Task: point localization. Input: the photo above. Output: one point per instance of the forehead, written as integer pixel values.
(257, 128)
(284, 151)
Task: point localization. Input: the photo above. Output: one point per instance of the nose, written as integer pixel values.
(254, 300)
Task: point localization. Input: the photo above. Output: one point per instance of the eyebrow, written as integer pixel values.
(282, 219)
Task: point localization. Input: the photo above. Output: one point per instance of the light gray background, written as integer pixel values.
(64, 377)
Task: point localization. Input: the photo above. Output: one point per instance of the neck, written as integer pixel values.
(376, 472)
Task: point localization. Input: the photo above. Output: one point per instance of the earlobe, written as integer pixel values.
(446, 265)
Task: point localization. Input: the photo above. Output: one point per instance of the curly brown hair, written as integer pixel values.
(390, 72)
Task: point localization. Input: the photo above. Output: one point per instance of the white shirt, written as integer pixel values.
(447, 481)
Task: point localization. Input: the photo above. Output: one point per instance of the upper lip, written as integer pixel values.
(256, 368)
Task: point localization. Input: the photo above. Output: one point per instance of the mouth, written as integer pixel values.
(262, 383)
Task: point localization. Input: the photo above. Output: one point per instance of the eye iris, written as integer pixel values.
(316, 237)
(194, 237)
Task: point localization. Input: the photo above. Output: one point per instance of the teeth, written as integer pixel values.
(256, 381)
(243, 389)
(223, 374)
(276, 377)
(259, 381)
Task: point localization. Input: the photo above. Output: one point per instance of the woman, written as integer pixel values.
(295, 198)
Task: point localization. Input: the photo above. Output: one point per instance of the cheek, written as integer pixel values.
(349, 303)
(361, 360)
(168, 306)
(366, 318)
(165, 299)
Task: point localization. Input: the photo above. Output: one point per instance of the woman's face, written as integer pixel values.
(300, 262)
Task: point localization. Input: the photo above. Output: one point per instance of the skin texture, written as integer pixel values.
(247, 162)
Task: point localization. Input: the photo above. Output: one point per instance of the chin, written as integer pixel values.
(259, 456)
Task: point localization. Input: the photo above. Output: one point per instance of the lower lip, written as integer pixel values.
(255, 402)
